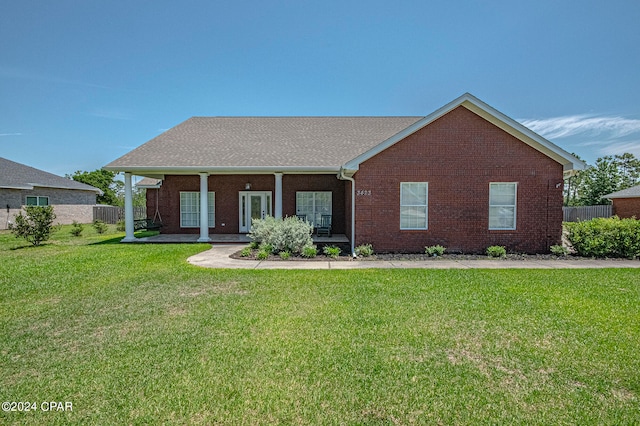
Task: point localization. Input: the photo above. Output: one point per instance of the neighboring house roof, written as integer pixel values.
(633, 192)
(149, 183)
(19, 176)
(300, 144)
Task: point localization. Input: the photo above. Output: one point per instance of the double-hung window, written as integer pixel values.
(190, 209)
(37, 201)
(414, 205)
(313, 205)
(502, 205)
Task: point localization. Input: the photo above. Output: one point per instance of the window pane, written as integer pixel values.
(32, 201)
(413, 193)
(211, 209)
(502, 194)
(412, 217)
(502, 217)
(314, 205)
(43, 201)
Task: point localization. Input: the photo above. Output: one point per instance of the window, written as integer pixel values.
(314, 205)
(37, 201)
(414, 205)
(190, 209)
(502, 205)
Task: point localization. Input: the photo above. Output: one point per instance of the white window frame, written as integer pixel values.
(493, 206)
(39, 199)
(316, 207)
(413, 206)
(194, 209)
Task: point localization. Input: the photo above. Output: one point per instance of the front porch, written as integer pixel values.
(225, 239)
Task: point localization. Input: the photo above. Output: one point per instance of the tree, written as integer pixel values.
(104, 180)
(609, 174)
(36, 225)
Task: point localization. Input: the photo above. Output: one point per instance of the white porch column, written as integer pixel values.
(128, 209)
(278, 195)
(204, 208)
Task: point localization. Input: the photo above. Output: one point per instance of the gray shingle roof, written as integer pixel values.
(632, 192)
(254, 142)
(19, 176)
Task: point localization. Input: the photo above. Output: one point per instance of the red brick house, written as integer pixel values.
(465, 176)
(626, 203)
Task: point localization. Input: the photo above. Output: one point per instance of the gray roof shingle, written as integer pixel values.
(632, 192)
(309, 142)
(19, 176)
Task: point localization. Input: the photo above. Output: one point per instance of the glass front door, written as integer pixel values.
(253, 205)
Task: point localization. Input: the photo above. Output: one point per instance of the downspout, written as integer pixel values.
(342, 176)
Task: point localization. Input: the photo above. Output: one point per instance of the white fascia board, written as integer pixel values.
(160, 172)
(490, 114)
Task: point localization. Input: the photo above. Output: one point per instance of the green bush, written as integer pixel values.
(309, 251)
(600, 237)
(285, 255)
(496, 251)
(559, 250)
(263, 254)
(332, 251)
(267, 248)
(364, 250)
(35, 225)
(437, 250)
(100, 226)
(289, 234)
(246, 252)
(120, 226)
(76, 229)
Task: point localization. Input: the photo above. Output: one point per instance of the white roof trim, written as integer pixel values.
(492, 115)
(159, 172)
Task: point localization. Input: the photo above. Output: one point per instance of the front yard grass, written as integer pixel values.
(132, 334)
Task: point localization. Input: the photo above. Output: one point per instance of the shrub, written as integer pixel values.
(309, 251)
(285, 255)
(246, 252)
(100, 226)
(364, 250)
(36, 225)
(120, 227)
(559, 250)
(600, 237)
(332, 251)
(437, 250)
(496, 251)
(289, 234)
(267, 247)
(76, 228)
(262, 255)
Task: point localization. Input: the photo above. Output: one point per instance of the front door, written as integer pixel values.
(253, 205)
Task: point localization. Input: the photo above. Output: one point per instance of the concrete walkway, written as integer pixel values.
(218, 257)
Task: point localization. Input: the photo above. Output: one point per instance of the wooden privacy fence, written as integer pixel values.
(575, 214)
(113, 214)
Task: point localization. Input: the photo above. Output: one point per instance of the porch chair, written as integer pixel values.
(325, 225)
(302, 217)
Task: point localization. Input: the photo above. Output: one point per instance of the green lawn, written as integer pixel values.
(132, 334)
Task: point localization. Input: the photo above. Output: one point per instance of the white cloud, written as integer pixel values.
(561, 127)
(10, 134)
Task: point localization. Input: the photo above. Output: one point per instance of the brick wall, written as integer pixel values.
(68, 205)
(626, 207)
(227, 188)
(459, 155)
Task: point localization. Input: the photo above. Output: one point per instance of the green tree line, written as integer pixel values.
(609, 174)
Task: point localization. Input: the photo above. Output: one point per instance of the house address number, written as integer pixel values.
(366, 192)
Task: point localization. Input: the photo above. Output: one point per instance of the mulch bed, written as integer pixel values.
(398, 257)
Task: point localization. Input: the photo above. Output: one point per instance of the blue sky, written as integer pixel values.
(84, 82)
